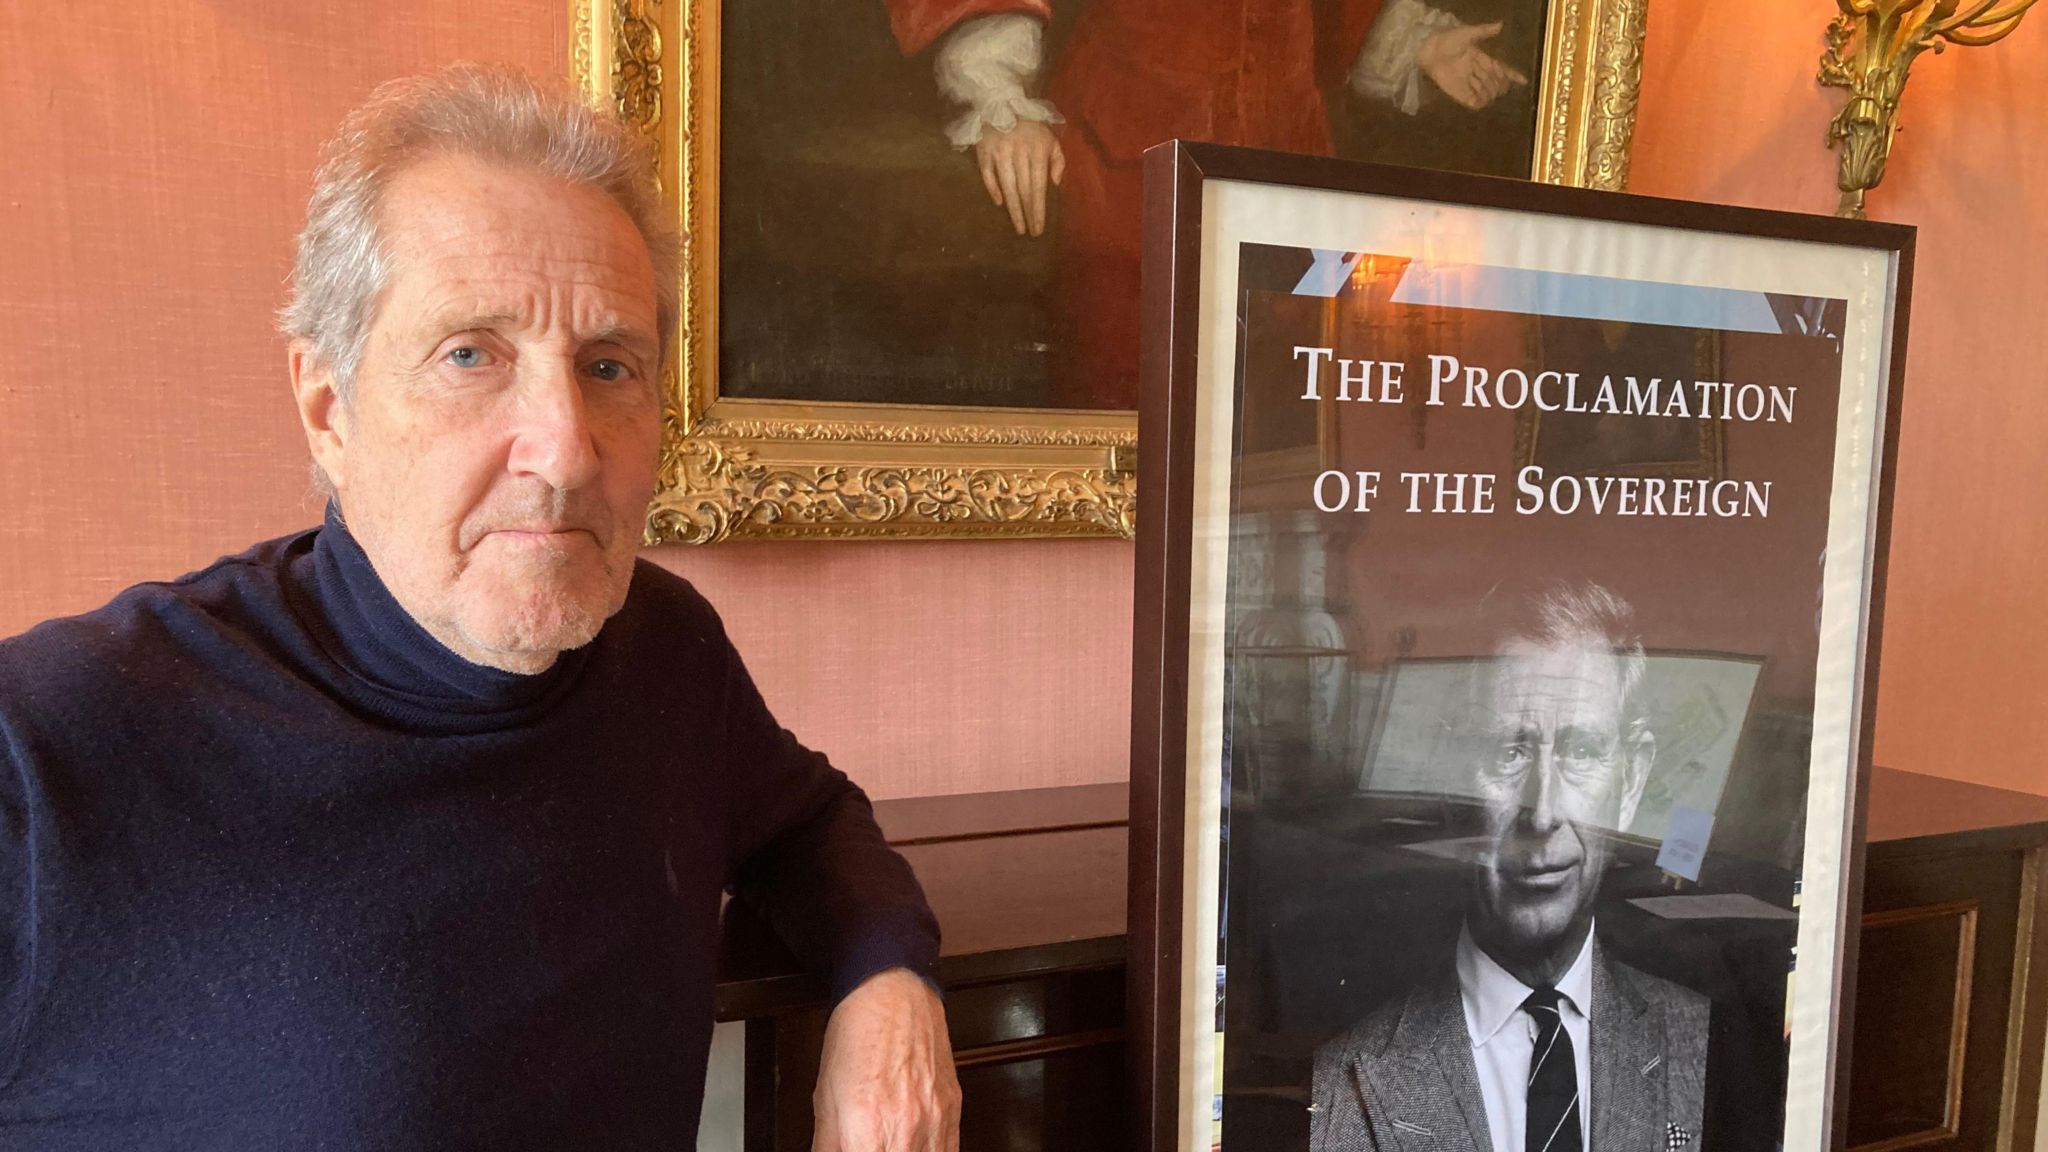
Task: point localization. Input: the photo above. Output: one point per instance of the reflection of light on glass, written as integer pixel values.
(1448, 284)
(1291, 658)
(1364, 272)
(1451, 248)
(1425, 737)
(1451, 240)
(1361, 314)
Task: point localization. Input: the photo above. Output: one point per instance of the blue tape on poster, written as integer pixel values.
(1327, 273)
(1530, 292)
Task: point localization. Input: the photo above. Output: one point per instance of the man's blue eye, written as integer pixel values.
(608, 370)
(466, 357)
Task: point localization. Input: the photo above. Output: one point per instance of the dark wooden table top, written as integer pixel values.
(1022, 882)
(1909, 811)
(1035, 880)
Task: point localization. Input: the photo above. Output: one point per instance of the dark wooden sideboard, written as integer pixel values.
(1951, 969)
(1029, 889)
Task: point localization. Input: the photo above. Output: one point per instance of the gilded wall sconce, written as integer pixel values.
(1871, 48)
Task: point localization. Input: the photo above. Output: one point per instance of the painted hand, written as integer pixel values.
(885, 1081)
(1459, 66)
(1019, 168)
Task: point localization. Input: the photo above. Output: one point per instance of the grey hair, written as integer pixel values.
(1563, 613)
(489, 113)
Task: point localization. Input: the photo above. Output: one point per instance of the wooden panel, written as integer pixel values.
(1934, 1003)
(926, 819)
(1009, 905)
(2027, 1017)
(1028, 888)
(1910, 805)
(1071, 1101)
(999, 1015)
(1912, 1020)
(1018, 891)
(1041, 1066)
(1041, 1063)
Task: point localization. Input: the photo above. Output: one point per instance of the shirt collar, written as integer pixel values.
(1491, 996)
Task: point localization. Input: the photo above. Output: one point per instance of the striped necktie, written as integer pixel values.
(1553, 1117)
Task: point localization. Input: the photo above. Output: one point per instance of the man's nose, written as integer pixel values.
(553, 441)
(1539, 795)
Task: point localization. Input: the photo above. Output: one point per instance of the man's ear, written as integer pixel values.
(1638, 756)
(322, 414)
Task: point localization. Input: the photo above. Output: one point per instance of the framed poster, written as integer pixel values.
(911, 280)
(1485, 801)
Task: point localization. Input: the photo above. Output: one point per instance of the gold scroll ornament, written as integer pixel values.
(1871, 49)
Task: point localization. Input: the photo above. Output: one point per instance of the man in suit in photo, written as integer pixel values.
(1536, 1039)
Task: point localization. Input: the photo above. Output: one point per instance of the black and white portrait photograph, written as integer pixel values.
(1516, 676)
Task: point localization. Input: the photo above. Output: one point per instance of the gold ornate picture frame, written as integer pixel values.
(751, 467)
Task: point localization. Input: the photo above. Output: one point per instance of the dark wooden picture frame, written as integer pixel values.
(1175, 181)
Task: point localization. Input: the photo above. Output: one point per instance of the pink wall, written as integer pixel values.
(157, 160)
(1730, 112)
(932, 668)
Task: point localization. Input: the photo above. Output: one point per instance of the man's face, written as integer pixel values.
(1560, 767)
(498, 453)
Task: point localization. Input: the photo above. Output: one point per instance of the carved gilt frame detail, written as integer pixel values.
(761, 469)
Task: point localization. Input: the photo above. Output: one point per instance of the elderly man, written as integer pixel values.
(1537, 1041)
(409, 831)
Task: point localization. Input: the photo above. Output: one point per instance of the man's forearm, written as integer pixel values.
(843, 901)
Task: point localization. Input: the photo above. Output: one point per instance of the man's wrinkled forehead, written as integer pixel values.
(476, 242)
(1531, 677)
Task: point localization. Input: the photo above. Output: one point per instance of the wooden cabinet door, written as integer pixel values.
(1944, 1018)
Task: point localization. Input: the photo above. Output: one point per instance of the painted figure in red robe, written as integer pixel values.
(1134, 73)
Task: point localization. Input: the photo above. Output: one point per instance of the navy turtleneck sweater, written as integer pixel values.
(279, 871)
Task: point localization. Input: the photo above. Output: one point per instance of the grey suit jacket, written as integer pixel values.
(1403, 1079)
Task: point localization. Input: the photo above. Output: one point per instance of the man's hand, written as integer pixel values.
(1462, 69)
(1018, 167)
(885, 1082)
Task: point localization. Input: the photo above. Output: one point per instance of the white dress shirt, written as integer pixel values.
(1504, 1038)
(989, 65)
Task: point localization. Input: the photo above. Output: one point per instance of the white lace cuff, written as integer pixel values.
(1386, 69)
(987, 64)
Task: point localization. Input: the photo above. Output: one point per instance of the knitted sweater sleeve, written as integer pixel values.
(807, 852)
